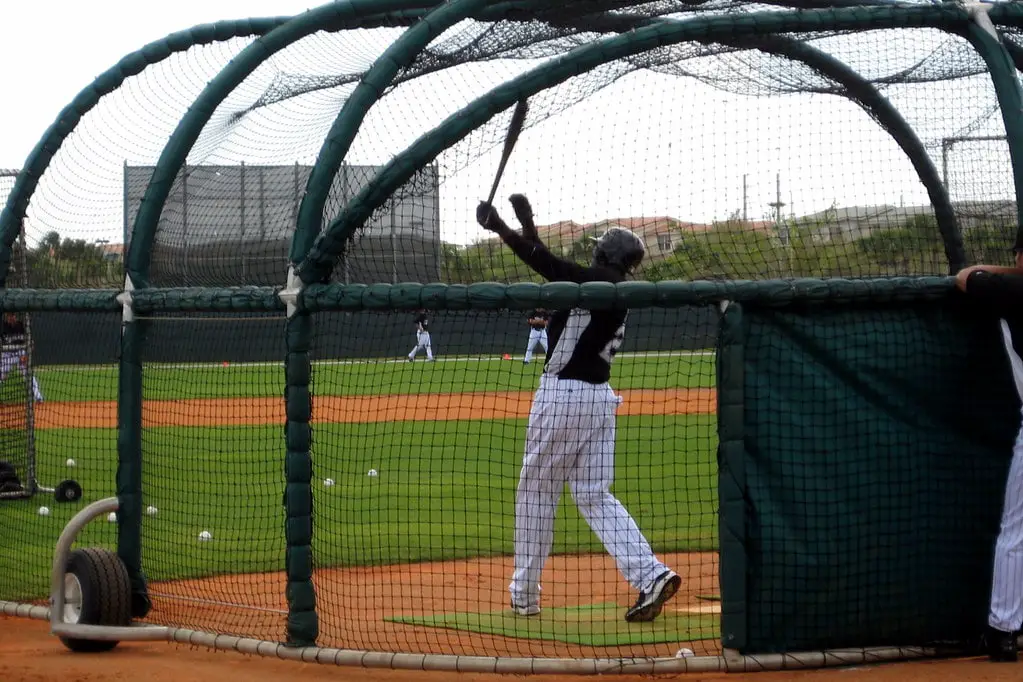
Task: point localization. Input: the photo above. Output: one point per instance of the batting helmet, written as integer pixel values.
(619, 248)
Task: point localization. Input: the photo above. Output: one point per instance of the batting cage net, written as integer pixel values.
(340, 406)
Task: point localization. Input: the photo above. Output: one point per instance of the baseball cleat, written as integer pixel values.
(526, 609)
(648, 605)
(1000, 646)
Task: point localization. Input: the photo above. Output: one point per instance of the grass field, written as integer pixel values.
(371, 377)
(445, 489)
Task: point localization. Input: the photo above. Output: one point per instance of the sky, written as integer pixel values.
(647, 145)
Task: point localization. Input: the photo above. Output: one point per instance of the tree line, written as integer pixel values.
(728, 250)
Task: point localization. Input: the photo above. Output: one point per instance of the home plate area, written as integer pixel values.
(589, 625)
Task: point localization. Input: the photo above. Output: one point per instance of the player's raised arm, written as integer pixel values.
(524, 214)
(533, 253)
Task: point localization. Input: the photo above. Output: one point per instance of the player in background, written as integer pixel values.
(14, 353)
(422, 322)
(537, 333)
(1001, 289)
(570, 436)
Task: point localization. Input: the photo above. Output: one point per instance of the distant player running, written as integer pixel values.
(537, 333)
(570, 436)
(422, 322)
(14, 353)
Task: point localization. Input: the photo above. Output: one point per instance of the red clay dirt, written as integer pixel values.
(336, 409)
(353, 602)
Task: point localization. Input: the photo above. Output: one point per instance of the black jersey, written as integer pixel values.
(1002, 296)
(422, 323)
(538, 314)
(583, 342)
(12, 333)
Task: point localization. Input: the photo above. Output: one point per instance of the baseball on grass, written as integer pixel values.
(685, 653)
(151, 510)
(327, 482)
(205, 536)
(112, 517)
(44, 511)
(70, 462)
(372, 472)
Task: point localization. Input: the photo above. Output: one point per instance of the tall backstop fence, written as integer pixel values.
(222, 292)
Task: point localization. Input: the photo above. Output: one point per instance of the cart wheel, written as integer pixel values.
(97, 591)
(68, 491)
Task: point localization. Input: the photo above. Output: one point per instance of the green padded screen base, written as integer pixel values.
(589, 625)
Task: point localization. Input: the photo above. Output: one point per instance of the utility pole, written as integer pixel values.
(777, 205)
(745, 217)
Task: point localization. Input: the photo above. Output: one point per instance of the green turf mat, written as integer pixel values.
(589, 625)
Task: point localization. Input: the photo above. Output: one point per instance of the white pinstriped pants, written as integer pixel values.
(13, 360)
(422, 342)
(1007, 582)
(571, 439)
(1006, 613)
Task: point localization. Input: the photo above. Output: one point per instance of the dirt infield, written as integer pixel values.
(28, 653)
(353, 603)
(356, 409)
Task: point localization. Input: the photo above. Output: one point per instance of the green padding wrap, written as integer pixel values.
(597, 295)
(303, 623)
(59, 300)
(877, 444)
(129, 464)
(731, 476)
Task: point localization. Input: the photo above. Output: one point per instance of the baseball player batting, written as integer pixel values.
(537, 333)
(570, 435)
(422, 322)
(1002, 289)
(14, 353)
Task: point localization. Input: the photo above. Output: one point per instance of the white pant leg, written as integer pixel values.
(551, 446)
(14, 360)
(590, 483)
(534, 338)
(422, 342)
(1006, 612)
(543, 340)
(8, 361)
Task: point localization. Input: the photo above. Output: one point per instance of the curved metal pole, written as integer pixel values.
(369, 90)
(984, 37)
(134, 63)
(318, 263)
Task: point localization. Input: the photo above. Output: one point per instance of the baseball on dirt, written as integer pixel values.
(327, 482)
(205, 536)
(44, 511)
(372, 472)
(685, 653)
(70, 462)
(112, 517)
(151, 510)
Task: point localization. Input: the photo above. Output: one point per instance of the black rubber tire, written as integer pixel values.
(106, 594)
(68, 491)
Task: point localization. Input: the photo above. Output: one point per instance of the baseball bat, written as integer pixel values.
(514, 128)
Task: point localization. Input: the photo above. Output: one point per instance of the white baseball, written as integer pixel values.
(685, 653)
(327, 482)
(151, 510)
(372, 472)
(70, 462)
(44, 511)
(112, 517)
(205, 536)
